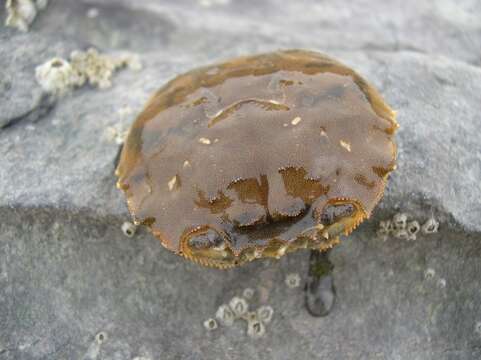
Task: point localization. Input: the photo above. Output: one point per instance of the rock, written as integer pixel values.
(67, 272)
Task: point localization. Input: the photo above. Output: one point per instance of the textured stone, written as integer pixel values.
(67, 272)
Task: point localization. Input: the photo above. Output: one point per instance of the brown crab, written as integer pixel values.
(257, 157)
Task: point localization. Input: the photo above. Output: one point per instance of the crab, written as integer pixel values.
(258, 157)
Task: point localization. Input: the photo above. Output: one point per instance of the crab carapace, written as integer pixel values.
(257, 157)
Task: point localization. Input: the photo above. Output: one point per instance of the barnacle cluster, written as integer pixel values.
(238, 309)
(21, 13)
(57, 75)
(400, 227)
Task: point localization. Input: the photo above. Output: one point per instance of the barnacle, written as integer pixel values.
(400, 221)
(265, 313)
(58, 75)
(129, 229)
(385, 229)
(225, 315)
(21, 13)
(293, 280)
(238, 306)
(413, 228)
(210, 324)
(255, 327)
(257, 157)
(101, 337)
(248, 293)
(431, 226)
(442, 283)
(429, 273)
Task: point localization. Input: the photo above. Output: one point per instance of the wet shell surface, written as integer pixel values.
(257, 157)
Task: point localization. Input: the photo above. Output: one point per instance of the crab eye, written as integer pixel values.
(210, 247)
(332, 213)
(207, 240)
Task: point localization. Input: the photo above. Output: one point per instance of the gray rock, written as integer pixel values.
(67, 272)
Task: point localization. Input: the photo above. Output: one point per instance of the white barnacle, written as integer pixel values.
(413, 228)
(248, 293)
(210, 324)
(57, 76)
(431, 226)
(225, 315)
(400, 221)
(20, 13)
(255, 328)
(429, 273)
(204, 141)
(293, 280)
(346, 145)
(239, 306)
(101, 337)
(387, 225)
(186, 164)
(265, 313)
(385, 229)
(129, 229)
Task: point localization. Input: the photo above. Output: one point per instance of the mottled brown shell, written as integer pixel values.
(258, 156)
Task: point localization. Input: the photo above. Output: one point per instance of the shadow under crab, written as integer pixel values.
(258, 157)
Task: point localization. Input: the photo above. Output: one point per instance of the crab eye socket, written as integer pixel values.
(210, 247)
(206, 240)
(333, 213)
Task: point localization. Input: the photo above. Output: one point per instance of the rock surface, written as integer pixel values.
(67, 272)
